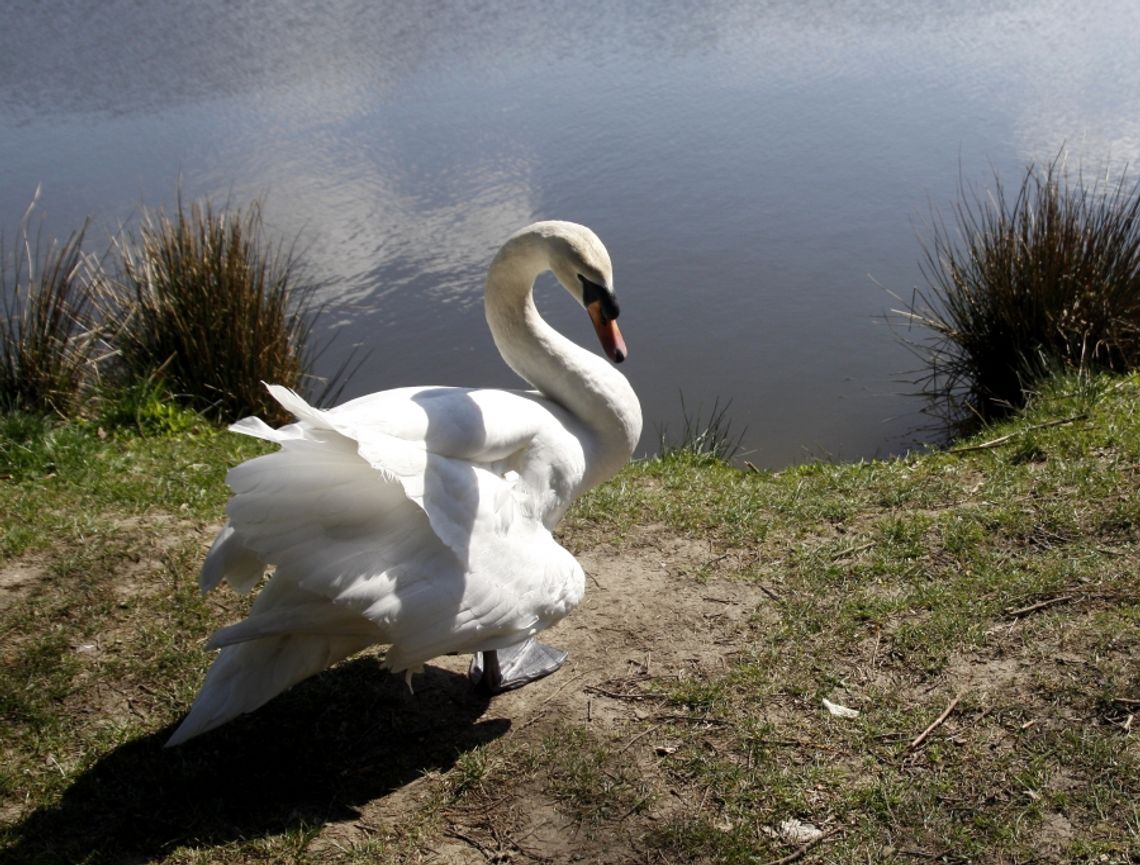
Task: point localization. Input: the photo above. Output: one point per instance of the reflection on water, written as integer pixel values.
(757, 169)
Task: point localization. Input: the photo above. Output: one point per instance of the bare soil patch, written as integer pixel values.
(645, 620)
(17, 579)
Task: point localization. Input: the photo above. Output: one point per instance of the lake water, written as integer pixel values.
(761, 172)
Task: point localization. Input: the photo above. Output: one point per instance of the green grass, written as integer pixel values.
(899, 583)
(1002, 575)
(710, 438)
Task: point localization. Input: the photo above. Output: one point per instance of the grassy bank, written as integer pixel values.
(980, 609)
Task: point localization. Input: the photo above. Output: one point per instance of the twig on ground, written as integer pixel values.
(467, 839)
(852, 551)
(938, 722)
(614, 695)
(803, 848)
(1001, 440)
(704, 798)
(640, 735)
(797, 743)
(771, 594)
(1040, 605)
(716, 722)
(537, 713)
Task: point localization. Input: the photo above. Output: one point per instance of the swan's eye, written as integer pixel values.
(593, 293)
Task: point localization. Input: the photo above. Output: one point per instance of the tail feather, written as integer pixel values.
(292, 402)
(336, 529)
(316, 619)
(229, 559)
(246, 676)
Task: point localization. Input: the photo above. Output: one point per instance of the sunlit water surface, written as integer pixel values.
(761, 172)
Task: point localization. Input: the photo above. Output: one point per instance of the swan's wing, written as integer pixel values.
(516, 579)
(480, 425)
(348, 546)
(435, 439)
(358, 563)
(435, 552)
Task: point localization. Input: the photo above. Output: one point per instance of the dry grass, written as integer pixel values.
(197, 309)
(1023, 287)
(205, 304)
(45, 339)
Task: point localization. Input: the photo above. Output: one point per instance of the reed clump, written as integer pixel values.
(46, 342)
(1021, 287)
(705, 438)
(204, 304)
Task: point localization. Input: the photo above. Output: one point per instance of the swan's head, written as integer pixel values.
(602, 306)
(582, 265)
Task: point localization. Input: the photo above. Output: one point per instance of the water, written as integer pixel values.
(760, 172)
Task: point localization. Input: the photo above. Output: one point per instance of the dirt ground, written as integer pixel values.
(351, 762)
(644, 617)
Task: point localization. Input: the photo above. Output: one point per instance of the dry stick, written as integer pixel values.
(800, 851)
(852, 551)
(614, 695)
(537, 712)
(769, 593)
(1040, 605)
(716, 722)
(482, 848)
(704, 798)
(939, 721)
(1000, 440)
(635, 806)
(640, 735)
(797, 743)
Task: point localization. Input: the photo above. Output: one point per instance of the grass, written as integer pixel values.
(1025, 286)
(195, 310)
(45, 341)
(710, 438)
(1000, 576)
(896, 583)
(205, 305)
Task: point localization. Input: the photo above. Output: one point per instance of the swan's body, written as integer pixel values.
(421, 517)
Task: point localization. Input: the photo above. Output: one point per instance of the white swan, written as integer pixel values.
(421, 517)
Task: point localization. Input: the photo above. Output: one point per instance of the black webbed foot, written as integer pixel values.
(500, 670)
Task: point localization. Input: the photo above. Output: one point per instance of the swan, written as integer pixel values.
(420, 517)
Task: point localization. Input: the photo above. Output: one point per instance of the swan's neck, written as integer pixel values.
(583, 383)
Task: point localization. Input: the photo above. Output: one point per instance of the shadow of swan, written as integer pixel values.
(311, 756)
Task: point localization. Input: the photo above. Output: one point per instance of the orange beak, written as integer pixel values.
(608, 334)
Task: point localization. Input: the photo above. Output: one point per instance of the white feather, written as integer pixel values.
(420, 518)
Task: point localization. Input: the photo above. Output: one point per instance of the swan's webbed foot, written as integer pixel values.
(502, 670)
